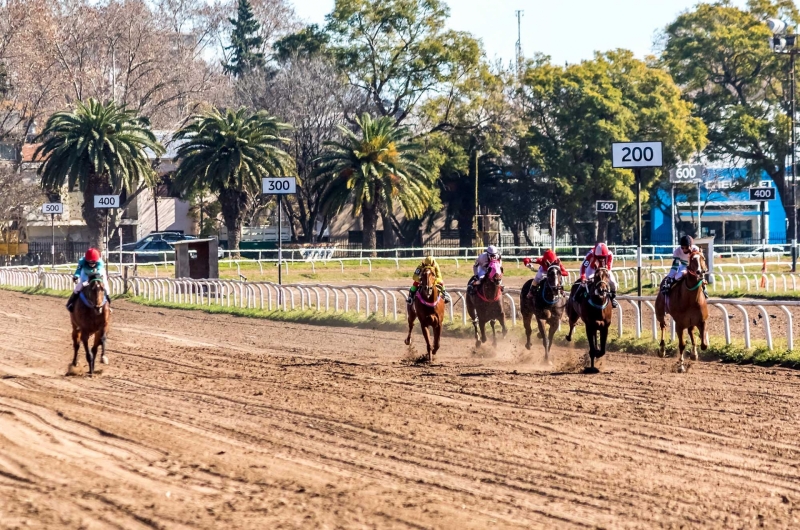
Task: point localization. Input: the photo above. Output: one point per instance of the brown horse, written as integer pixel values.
(428, 307)
(485, 303)
(547, 305)
(91, 316)
(592, 304)
(686, 304)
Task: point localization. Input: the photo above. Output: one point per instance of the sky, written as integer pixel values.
(566, 30)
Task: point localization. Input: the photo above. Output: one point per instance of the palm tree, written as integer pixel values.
(229, 154)
(374, 169)
(101, 148)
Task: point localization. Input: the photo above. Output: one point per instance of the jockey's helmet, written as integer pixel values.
(549, 257)
(687, 241)
(601, 251)
(428, 261)
(92, 255)
(491, 250)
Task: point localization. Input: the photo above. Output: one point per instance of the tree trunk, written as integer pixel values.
(602, 227)
(95, 218)
(155, 205)
(388, 232)
(515, 232)
(234, 205)
(369, 214)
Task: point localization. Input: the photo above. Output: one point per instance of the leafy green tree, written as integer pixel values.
(229, 154)
(245, 42)
(720, 56)
(374, 170)
(577, 111)
(311, 41)
(398, 51)
(101, 149)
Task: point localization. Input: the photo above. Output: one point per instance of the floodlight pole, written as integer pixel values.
(794, 165)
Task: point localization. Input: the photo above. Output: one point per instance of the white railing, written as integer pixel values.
(757, 282)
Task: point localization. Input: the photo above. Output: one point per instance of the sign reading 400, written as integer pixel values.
(762, 194)
(106, 201)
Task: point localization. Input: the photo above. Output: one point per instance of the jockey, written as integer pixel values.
(428, 262)
(548, 259)
(600, 258)
(91, 263)
(481, 265)
(680, 260)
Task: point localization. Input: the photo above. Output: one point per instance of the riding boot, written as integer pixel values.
(447, 299)
(532, 290)
(613, 296)
(410, 299)
(705, 293)
(71, 302)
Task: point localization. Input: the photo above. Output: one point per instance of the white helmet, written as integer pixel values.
(491, 250)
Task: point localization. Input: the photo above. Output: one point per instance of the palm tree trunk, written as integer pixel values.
(370, 216)
(95, 218)
(234, 206)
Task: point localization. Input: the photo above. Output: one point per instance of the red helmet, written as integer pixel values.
(92, 255)
(549, 256)
(601, 251)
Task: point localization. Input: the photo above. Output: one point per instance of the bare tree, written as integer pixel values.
(17, 196)
(311, 95)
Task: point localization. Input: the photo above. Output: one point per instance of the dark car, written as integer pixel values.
(157, 246)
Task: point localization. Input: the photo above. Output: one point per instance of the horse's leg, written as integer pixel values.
(412, 315)
(494, 333)
(502, 320)
(526, 321)
(103, 358)
(681, 348)
(572, 315)
(550, 334)
(661, 317)
(603, 339)
(99, 338)
(543, 334)
(591, 334)
(473, 314)
(701, 328)
(76, 344)
(426, 334)
(89, 356)
(483, 331)
(437, 333)
(693, 354)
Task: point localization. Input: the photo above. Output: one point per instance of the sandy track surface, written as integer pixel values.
(205, 421)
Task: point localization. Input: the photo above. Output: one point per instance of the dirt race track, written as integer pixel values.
(205, 421)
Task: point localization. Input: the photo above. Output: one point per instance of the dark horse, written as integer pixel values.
(91, 316)
(428, 307)
(547, 305)
(686, 304)
(485, 303)
(592, 304)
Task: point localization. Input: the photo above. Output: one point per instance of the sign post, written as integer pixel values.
(106, 202)
(279, 186)
(762, 195)
(637, 155)
(53, 208)
(685, 174)
(605, 207)
(553, 215)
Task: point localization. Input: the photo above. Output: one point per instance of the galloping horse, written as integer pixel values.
(591, 303)
(547, 305)
(428, 307)
(91, 316)
(485, 303)
(686, 304)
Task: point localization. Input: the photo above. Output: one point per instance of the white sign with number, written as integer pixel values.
(687, 174)
(636, 154)
(53, 208)
(106, 201)
(279, 185)
(606, 206)
(762, 194)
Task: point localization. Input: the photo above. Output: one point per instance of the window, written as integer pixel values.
(160, 246)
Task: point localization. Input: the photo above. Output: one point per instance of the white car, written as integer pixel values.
(768, 251)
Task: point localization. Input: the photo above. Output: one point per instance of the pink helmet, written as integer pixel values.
(601, 251)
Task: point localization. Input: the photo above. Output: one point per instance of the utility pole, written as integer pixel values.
(519, 13)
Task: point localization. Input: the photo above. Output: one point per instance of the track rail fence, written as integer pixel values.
(388, 302)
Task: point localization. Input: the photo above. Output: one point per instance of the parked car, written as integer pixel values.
(768, 250)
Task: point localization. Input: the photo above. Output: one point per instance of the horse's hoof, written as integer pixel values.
(704, 347)
(591, 370)
(662, 350)
(478, 344)
(694, 356)
(568, 338)
(483, 341)
(104, 359)
(682, 369)
(528, 346)
(407, 341)
(539, 335)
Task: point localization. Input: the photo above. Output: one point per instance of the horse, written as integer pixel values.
(547, 305)
(91, 316)
(686, 304)
(592, 304)
(485, 303)
(428, 307)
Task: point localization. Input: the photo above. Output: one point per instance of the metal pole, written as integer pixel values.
(763, 236)
(280, 239)
(105, 245)
(794, 167)
(477, 212)
(674, 219)
(53, 241)
(639, 230)
(699, 231)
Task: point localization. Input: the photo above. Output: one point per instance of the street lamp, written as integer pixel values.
(784, 43)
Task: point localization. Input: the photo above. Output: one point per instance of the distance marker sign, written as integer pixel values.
(606, 206)
(636, 154)
(53, 208)
(106, 201)
(762, 194)
(687, 174)
(279, 186)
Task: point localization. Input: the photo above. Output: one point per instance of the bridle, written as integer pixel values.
(90, 304)
(599, 288)
(696, 273)
(552, 285)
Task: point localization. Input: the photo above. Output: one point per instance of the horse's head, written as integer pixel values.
(495, 273)
(602, 284)
(427, 282)
(554, 276)
(94, 292)
(697, 264)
